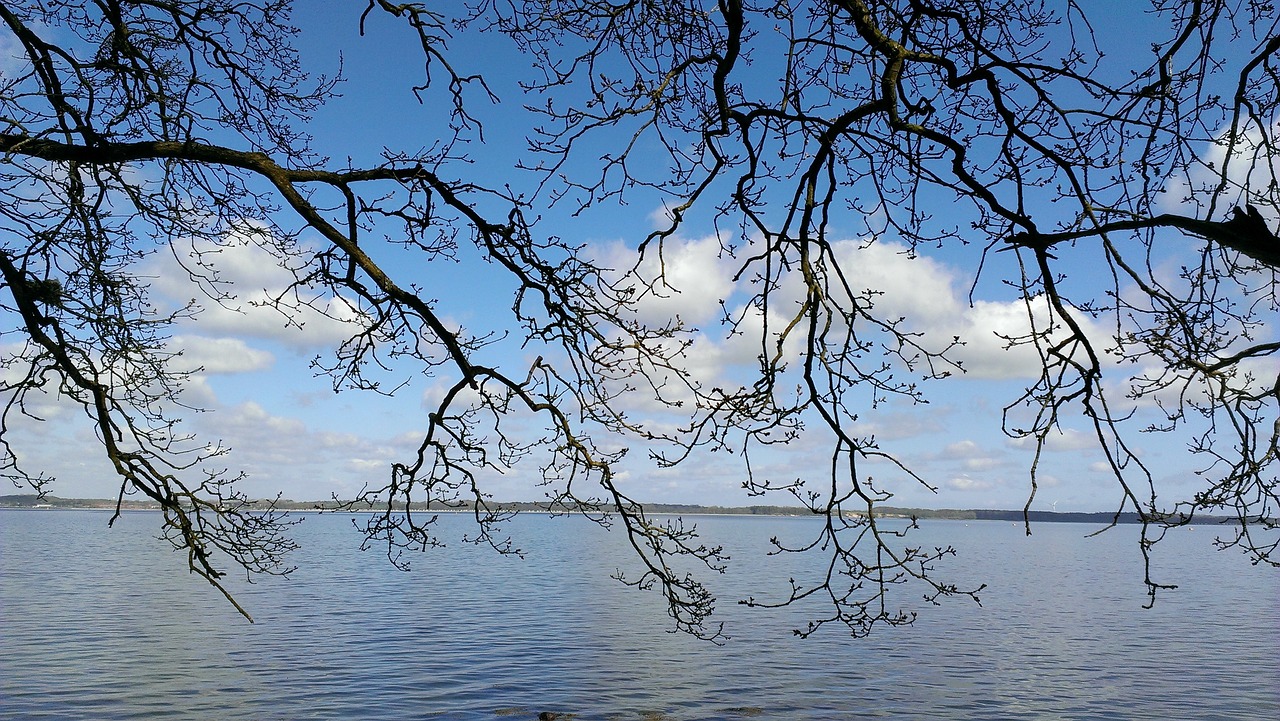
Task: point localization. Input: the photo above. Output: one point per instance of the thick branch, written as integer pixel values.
(1246, 232)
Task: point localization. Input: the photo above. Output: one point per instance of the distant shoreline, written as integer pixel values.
(33, 502)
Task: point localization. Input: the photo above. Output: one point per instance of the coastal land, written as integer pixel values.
(33, 501)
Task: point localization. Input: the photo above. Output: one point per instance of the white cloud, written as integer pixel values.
(919, 289)
(1252, 169)
(280, 452)
(982, 464)
(696, 278)
(970, 456)
(38, 402)
(1048, 480)
(255, 278)
(965, 483)
(915, 287)
(962, 449)
(660, 217)
(1060, 440)
(985, 329)
(922, 290)
(197, 393)
(218, 355)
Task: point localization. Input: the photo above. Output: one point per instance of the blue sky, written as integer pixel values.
(294, 435)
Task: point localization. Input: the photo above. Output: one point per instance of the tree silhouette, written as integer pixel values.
(135, 127)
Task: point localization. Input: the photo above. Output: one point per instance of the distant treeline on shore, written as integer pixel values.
(34, 501)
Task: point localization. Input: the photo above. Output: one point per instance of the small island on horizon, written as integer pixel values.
(33, 501)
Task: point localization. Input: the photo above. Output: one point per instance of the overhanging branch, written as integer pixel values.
(1246, 232)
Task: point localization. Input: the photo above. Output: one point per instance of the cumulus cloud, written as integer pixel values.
(39, 402)
(920, 290)
(965, 483)
(255, 278)
(986, 329)
(929, 296)
(696, 278)
(1061, 440)
(197, 393)
(284, 452)
(970, 456)
(660, 217)
(962, 449)
(982, 464)
(915, 287)
(1251, 167)
(218, 355)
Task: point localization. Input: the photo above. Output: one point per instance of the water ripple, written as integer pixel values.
(110, 628)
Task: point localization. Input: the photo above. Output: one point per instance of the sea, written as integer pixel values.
(105, 623)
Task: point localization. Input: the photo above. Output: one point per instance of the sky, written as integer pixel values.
(295, 436)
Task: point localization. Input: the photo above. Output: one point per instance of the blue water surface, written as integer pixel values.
(106, 624)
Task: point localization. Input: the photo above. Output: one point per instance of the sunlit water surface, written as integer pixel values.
(104, 624)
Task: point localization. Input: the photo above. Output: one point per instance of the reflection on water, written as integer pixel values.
(103, 624)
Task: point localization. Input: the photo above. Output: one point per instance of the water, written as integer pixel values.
(103, 624)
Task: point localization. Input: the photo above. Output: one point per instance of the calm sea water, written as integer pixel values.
(103, 624)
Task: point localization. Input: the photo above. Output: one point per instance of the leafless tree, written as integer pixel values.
(134, 125)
